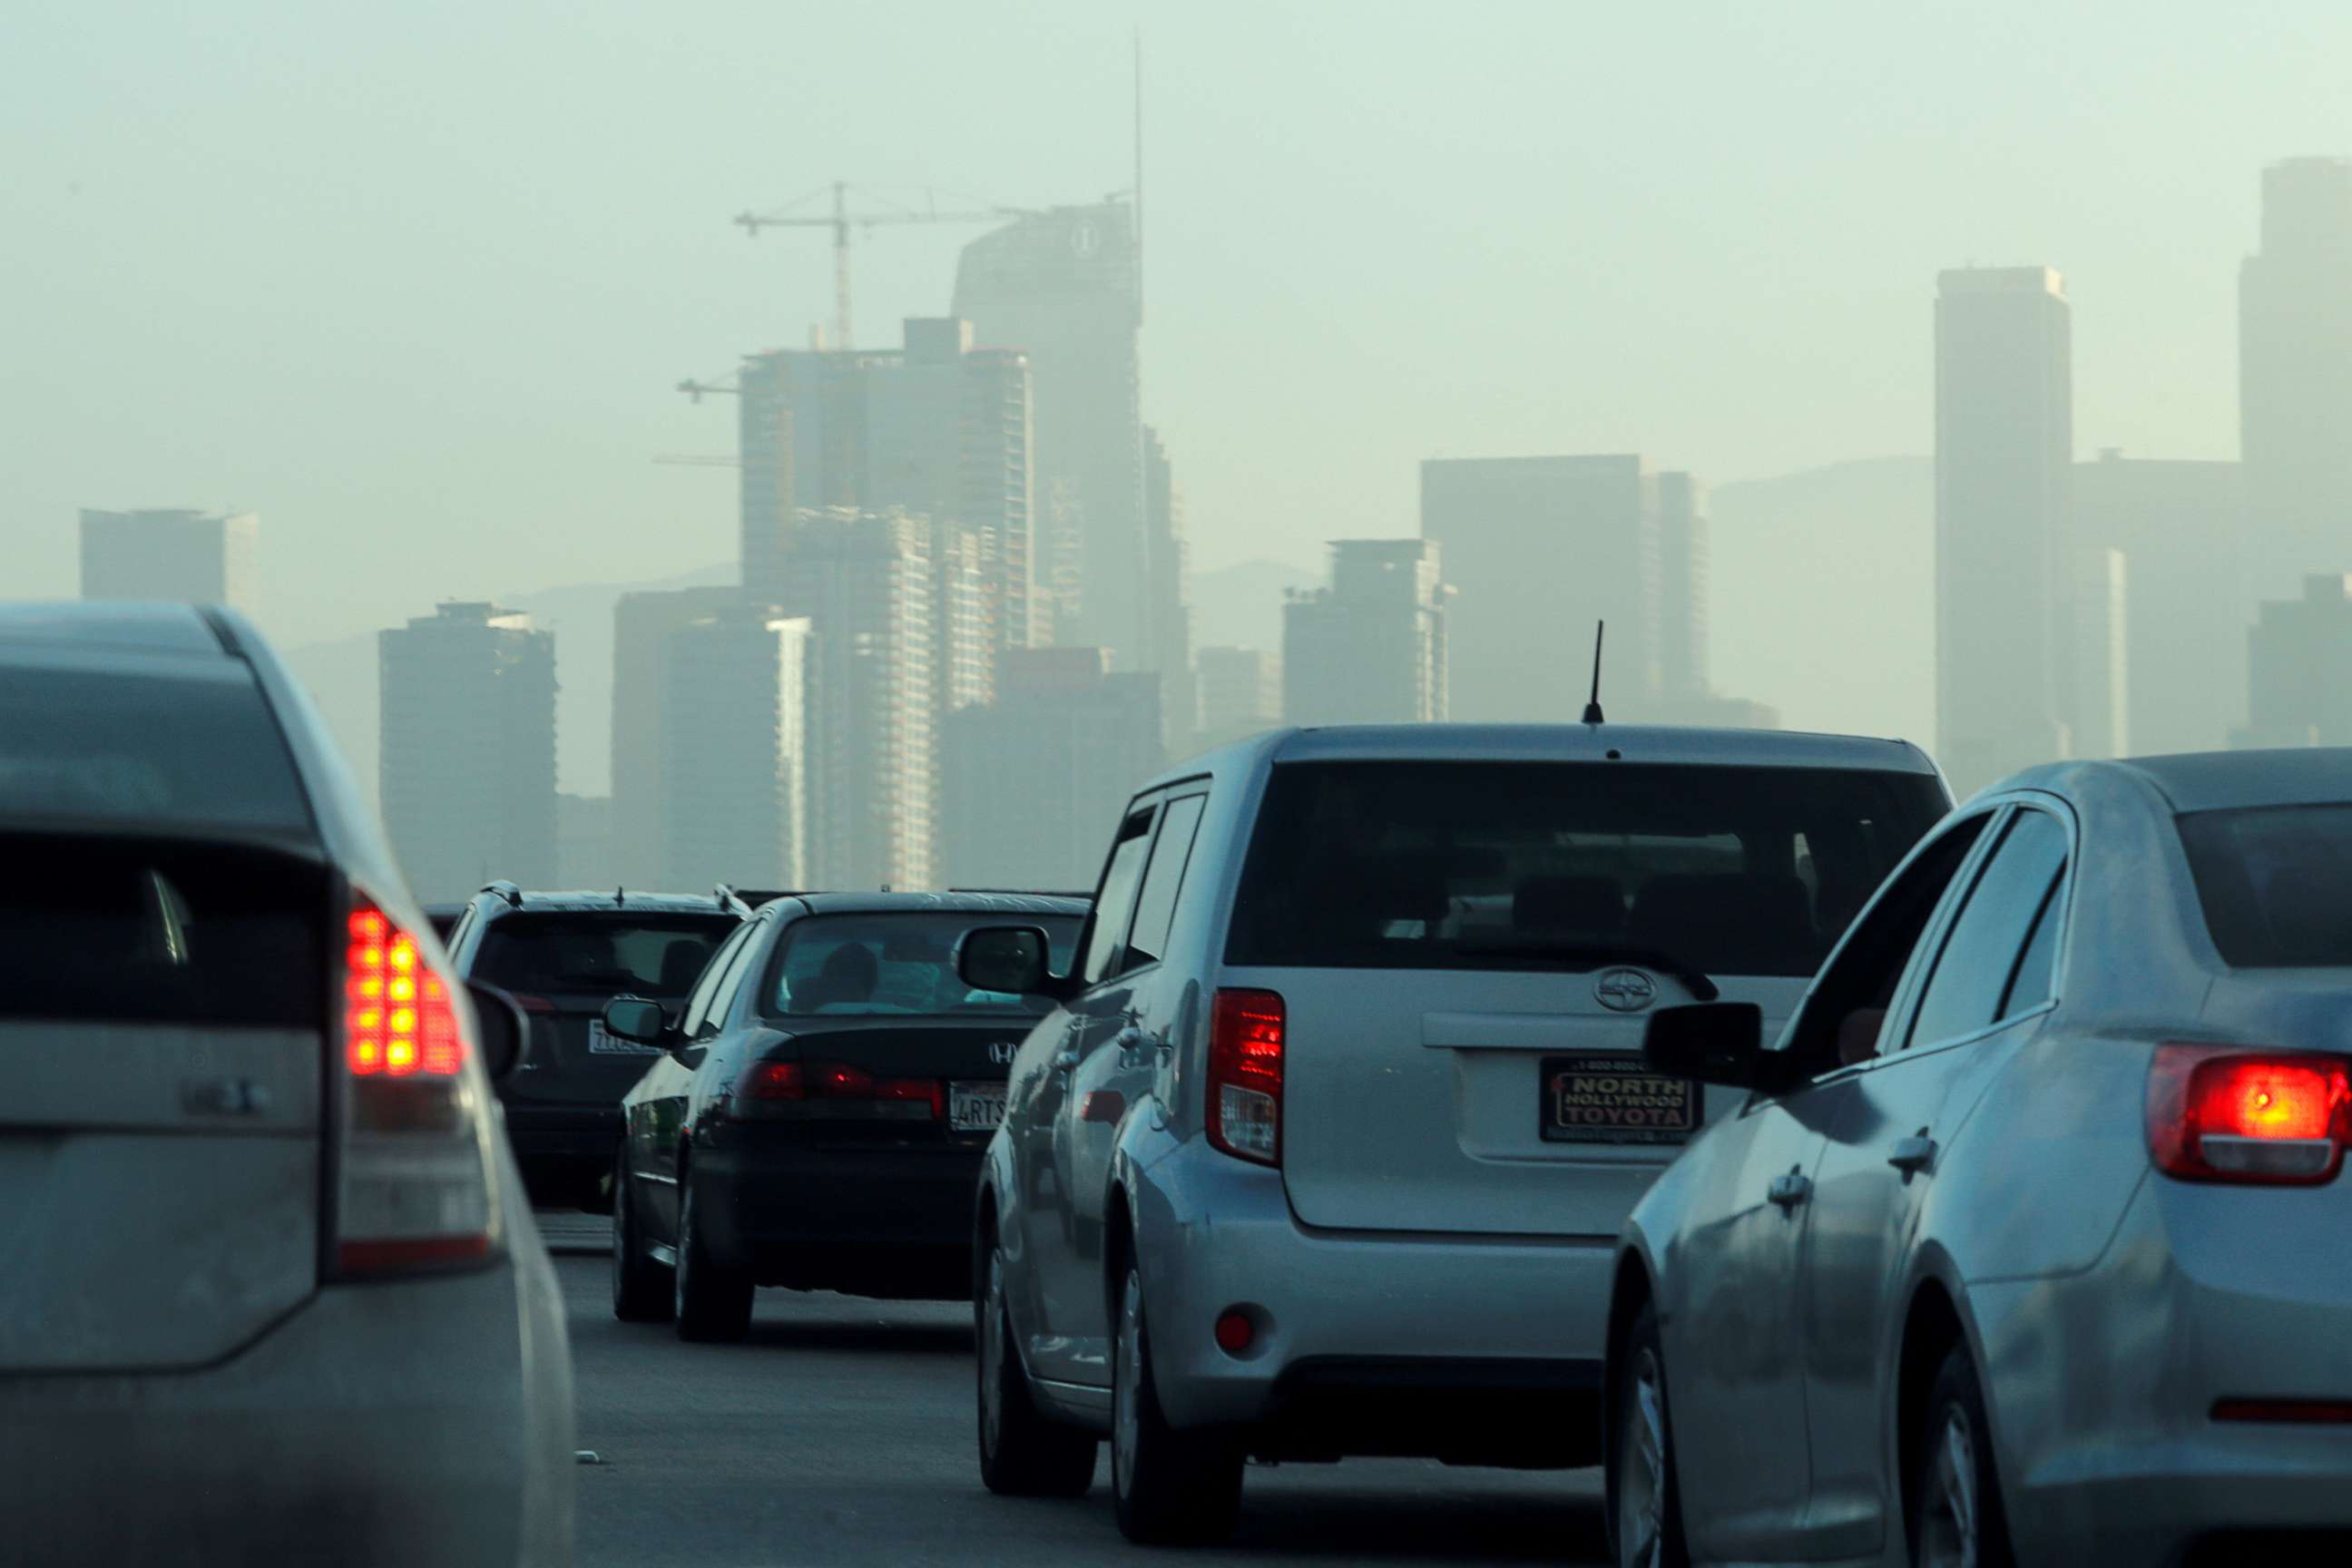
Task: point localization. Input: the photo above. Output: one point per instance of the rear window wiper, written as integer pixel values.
(1592, 955)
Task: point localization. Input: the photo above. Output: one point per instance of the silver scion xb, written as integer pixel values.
(1326, 1146)
(268, 1292)
(2026, 1243)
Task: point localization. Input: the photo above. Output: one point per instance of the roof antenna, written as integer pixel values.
(1592, 707)
(620, 897)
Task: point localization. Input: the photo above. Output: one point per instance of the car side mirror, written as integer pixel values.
(499, 1029)
(1008, 960)
(633, 1018)
(1714, 1042)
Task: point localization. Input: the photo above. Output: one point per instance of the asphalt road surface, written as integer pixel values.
(841, 1433)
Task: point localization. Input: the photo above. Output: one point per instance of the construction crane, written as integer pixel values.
(841, 221)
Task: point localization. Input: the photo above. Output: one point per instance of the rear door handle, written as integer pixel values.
(1913, 1155)
(1788, 1191)
(1131, 1043)
(1067, 1059)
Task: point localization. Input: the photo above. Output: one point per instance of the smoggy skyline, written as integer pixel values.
(417, 294)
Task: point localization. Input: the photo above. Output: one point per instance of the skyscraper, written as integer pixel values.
(1171, 600)
(2181, 527)
(468, 762)
(1036, 782)
(2299, 669)
(1241, 693)
(733, 750)
(1063, 286)
(1371, 648)
(1536, 551)
(2294, 375)
(2004, 463)
(203, 558)
(864, 581)
(1679, 651)
(642, 625)
(938, 429)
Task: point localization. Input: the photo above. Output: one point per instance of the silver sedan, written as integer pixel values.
(2028, 1243)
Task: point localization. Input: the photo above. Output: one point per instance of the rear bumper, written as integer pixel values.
(880, 1221)
(379, 1424)
(2104, 1383)
(1480, 1350)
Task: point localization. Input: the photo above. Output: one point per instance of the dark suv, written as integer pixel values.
(563, 956)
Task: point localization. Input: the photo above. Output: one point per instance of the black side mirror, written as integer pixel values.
(1009, 960)
(1714, 1042)
(633, 1018)
(499, 1028)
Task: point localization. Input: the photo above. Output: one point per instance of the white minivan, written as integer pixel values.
(1326, 1145)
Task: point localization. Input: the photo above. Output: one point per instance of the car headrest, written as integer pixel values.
(681, 966)
(1744, 924)
(1590, 905)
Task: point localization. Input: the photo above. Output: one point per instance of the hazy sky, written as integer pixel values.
(414, 281)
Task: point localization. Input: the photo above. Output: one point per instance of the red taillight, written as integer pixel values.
(1245, 1086)
(2286, 1411)
(840, 1085)
(2222, 1113)
(397, 1016)
(413, 1185)
(1235, 1331)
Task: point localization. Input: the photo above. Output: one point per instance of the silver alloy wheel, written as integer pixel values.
(1126, 1385)
(1642, 1470)
(1947, 1536)
(992, 1349)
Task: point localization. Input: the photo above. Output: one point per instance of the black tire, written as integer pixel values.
(1645, 1497)
(1023, 1452)
(713, 1303)
(1170, 1488)
(641, 1287)
(1955, 1486)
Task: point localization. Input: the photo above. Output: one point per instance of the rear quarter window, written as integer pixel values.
(1468, 864)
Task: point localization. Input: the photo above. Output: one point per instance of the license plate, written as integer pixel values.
(1612, 1099)
(975, 1107)
(605, 1045)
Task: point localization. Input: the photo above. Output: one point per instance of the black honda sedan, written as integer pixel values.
(817, 1117)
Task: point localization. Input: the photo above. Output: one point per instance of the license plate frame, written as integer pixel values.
(964, 1094)
(601, 1042)
(1614, 1099)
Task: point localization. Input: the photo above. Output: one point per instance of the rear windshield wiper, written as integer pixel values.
(1592, 955)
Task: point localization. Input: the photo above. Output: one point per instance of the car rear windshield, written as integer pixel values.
(2275, 883)
(598, 955)
(1726, 871)
(196, 749)
(846, 964)
(136, 930)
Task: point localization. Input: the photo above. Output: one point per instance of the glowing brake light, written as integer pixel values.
(1247, 1030)
(2220, 1113)
(814, 1090)
(398, 1020)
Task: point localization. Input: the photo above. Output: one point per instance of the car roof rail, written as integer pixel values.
(1022, 892)
(507, 890)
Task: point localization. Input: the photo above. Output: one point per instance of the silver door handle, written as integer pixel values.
(1787, 1192)
(1066, 1059)
(1130, 1040)
(1913, 1155)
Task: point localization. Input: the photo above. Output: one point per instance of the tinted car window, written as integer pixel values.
(121, 931)
(1155, 906)
(1115, 900)
(2029, 987)
(190, 749)
(2276, 884)
(599, 954)
(1732, 871)
(1981, 953)
(849, 964)
(706, 989)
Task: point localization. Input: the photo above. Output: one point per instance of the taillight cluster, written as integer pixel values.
(814, 1090)
(1245, 1079)
(413, 1165)
(2223, 1113)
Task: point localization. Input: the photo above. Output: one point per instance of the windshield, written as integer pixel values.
(652, 956)
(2276, 884)
(1726, 871)
(837, 965)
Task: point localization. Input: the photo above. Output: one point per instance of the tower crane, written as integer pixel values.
(843, 220)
